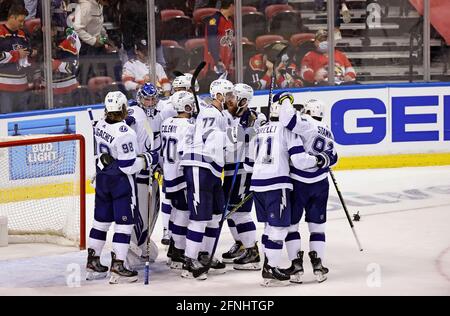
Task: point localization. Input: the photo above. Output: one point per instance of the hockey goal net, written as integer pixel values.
(43, 188)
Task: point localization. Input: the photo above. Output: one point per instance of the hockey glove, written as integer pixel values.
(106, 159)
(323, 160)
(150, 158)
(130, 121)
(246, 119)
(282, 96)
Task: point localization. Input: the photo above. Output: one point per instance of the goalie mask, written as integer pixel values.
(147, 96)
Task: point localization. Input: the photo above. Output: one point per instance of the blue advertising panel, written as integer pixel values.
(42, 160)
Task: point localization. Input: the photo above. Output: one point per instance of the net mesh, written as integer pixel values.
(40, 191)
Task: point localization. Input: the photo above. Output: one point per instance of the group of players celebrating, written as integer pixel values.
(214, 154)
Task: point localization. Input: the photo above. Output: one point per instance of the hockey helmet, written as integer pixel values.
(315, 108)
(147, 95)
(115, 101)
(184, 82)
(223, 87)
(183, 101)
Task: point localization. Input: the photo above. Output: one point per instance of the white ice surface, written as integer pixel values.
(405, 232)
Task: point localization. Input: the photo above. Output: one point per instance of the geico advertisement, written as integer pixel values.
(385, 121)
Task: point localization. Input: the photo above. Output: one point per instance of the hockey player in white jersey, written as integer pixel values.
(244, 254)
(311, 186)
(156, 111)
(115, 196)
(138, 121)
(173, 133)
(203, 163)
(275, 148)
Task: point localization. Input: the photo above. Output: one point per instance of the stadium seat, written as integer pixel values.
(274, 8)
(303, 48)
(178, 28)
(195, 47)
(264, 40)
(253, 3)
(97, 84)
(248, 9)
(249, 49)
(300, 38)
(194, 43)
(168, 14)
(253, 25)
(169, 43)
(176, 59)
(285, 23)
(201, 13)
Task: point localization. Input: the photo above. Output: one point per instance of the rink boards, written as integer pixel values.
(375, 126)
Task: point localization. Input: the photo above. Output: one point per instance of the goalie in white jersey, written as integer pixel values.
(155, 111)
(275, 147)
(115, 196)
(173, 133)
(311, 186)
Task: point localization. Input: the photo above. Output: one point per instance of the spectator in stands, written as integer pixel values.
(219, 36)
(259, 72)
(288, 75)
(136, 72)
(260, 69)
(132, 22)
(314, 68)
(14, 52)
(64, 65)
(89, 26)
(31, 6)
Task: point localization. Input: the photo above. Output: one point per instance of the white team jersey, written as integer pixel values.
(206, 142)
(143, 139)
(237, 153)
(173, 132)
(135, 73)
(316, 137)
(156, 116)
(120, 141)
(274, 148)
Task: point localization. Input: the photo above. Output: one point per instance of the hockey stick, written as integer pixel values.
(233, 182)
(177, 73)
(272, 81)
(91, 117)
(153, 192)
(239, 205)
(341, 198)
(194, 80)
